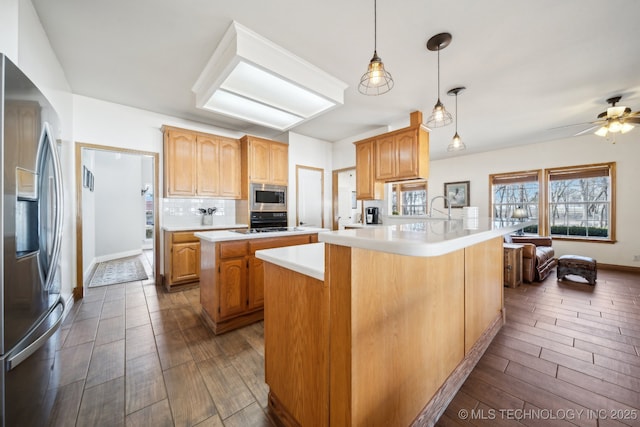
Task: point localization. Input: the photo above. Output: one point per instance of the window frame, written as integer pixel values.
(520, 176)
(583, 170)
(399, 187)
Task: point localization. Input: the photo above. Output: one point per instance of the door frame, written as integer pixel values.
(78, 291)
(334, 196)
(321, 170)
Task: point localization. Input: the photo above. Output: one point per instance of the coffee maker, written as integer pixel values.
(372, 215)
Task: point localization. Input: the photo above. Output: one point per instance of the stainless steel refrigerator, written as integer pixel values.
(31, 308)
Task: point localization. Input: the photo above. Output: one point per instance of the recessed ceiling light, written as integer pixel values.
(250, 78)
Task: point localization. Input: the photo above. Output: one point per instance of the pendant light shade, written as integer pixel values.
(376, 80)
(456, 143)
(439, 116)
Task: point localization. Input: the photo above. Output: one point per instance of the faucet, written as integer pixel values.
(431, 206)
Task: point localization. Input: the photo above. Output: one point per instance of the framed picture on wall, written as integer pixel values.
(85, 176)
(457, 193)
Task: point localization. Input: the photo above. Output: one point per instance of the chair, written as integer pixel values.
(537, 256)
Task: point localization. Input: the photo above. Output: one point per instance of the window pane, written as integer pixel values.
(580, 206)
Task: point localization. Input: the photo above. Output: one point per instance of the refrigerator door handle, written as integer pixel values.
(16, 359)
(57, 235)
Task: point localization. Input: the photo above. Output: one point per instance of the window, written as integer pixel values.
(516, 190)
(581, 202)
(412, 198)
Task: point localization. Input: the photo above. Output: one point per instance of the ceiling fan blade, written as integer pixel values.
(592, 128)
(632, 119)
(575, 124)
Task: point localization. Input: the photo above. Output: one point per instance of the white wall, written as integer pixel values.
(582, 150)
(88, 218)
(305, 151)
(118, 211)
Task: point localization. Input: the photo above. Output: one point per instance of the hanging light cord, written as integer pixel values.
(456, 113)
(438, 72)
(375, 26)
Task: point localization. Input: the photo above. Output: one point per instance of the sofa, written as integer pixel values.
(538, 258)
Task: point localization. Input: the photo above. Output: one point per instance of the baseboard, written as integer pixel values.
(615, 267)
(86, 276)
(124, 254)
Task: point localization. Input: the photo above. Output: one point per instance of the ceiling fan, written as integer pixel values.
(614, 120)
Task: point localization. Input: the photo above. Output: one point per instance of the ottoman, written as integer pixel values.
(579, 265)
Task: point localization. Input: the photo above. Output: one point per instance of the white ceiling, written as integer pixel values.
(529, 66)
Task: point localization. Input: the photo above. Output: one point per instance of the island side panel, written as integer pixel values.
(208, 274)
(337, 276)
(296, 334)
(484, 288)
(407, 327)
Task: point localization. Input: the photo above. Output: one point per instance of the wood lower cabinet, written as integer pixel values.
(232, 280)
(181, 260)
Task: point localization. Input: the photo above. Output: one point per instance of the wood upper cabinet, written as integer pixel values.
(179, 163)
(268, 161)
(393, 156)
(230, 169)
(402, 155)
(208, 176)
(367, 187)
(201, 165)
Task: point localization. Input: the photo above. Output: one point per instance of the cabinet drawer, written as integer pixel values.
(278, 242)
(183, 237)
(233, 249)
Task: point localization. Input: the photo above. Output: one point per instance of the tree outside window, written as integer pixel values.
(409, 198)
(580, 201)
(513, 190)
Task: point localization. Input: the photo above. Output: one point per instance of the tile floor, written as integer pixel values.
(136, 355)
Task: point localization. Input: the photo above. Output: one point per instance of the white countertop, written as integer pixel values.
(202, 227)
(223, 236)
(303, 259)
(423, 238)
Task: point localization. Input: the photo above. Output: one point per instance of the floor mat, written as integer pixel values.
(118, 271)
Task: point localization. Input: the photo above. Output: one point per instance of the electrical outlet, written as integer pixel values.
(636, 257)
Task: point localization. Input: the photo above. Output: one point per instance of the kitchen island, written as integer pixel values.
(380, 326)
(231, 277)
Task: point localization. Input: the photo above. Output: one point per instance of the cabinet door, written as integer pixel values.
(233, 285)
(406, 147)
(180, 171)
(185, 262)
(256, 283)
(230, 177)
(279, 154)
(385, 158)
(260, 159)
(207, 160)
(366, 187)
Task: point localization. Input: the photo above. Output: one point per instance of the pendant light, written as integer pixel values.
(376, 80)
(456, 143)
(439, 116)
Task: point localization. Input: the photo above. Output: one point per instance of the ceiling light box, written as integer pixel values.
(252, 79)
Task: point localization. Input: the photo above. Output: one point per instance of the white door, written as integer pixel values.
(310, 203)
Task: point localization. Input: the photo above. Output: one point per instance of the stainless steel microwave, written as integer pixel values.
(267, 197)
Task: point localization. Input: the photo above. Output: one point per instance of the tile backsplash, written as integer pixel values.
(184, 212)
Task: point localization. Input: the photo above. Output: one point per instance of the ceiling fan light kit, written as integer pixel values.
(456, 143)
(615, 120)
(376, 80)
(439, 116)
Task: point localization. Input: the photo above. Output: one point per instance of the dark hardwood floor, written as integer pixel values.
(135, 355)
(568, 355)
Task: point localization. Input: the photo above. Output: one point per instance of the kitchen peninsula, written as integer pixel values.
(231, 277)
(380, 326)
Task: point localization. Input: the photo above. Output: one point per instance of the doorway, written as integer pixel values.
(346, 208)
(116, 208)
(310, 196)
